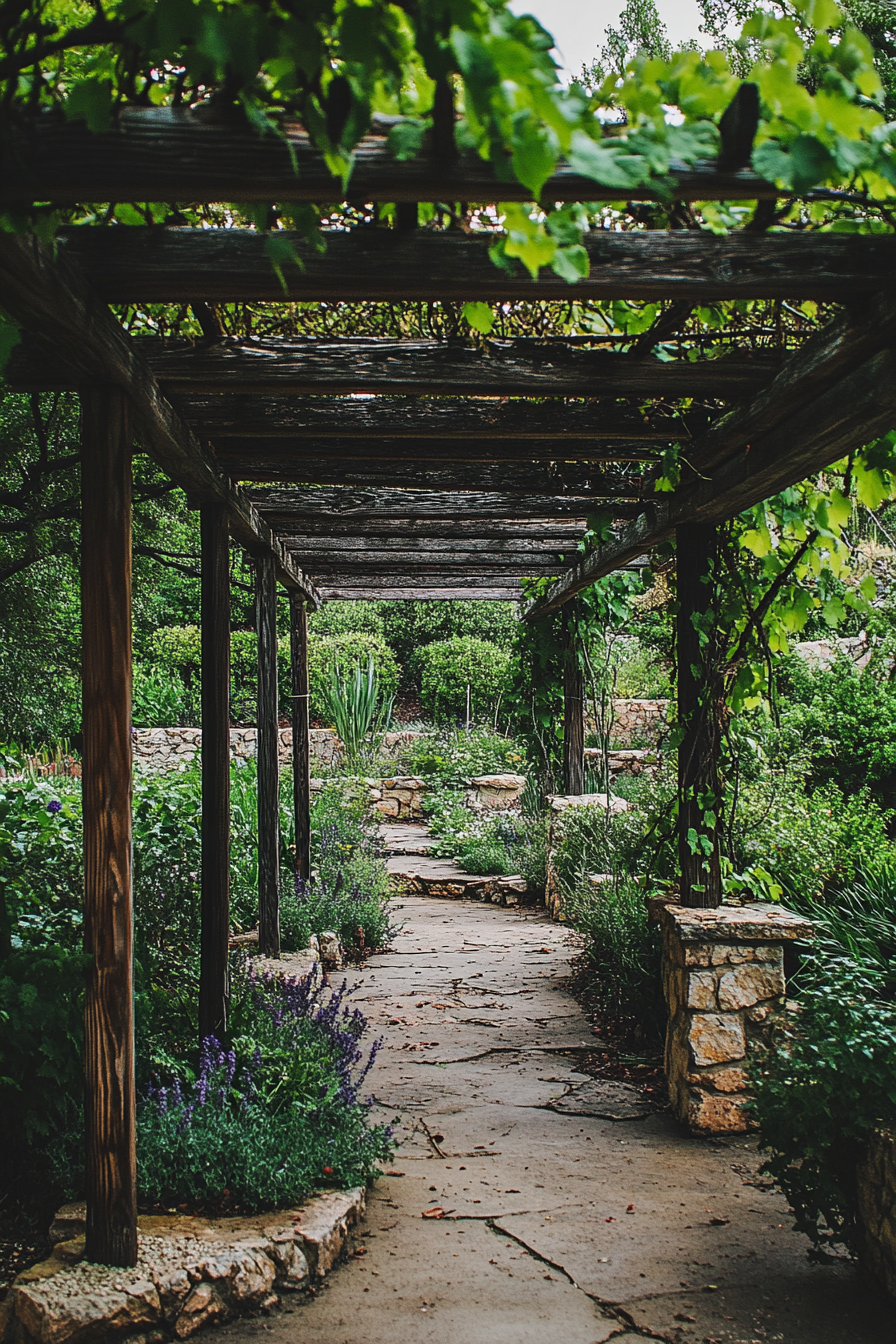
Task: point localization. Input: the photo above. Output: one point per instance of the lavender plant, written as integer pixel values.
(277, 1115)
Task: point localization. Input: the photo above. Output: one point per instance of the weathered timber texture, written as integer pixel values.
(490, 593)
(248, 455)
(850, 413)
(838, 348)
(171, 154)
(510, 478)
(173, 265)
(416, 417)
(268, 761)
(360, 549)
(413, 562)
(215, 932)
(51, 300)
(461, 577)
(573, 707)
(561, 534)
(301, 747)
(109, 1093)
(698, 752)
(422, 368)
(286, 508)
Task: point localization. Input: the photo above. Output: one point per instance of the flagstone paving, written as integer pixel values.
(518, 1210)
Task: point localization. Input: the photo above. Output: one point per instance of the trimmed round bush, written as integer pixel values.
(348, 651)
(450, 665)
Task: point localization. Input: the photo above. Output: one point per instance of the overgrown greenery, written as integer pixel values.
(463, 679)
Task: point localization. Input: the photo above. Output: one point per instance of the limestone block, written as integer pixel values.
(701, 990)
(746, 985)
(324, 1226)
(289, 1260)
(254, 1277)
(728, 1078)
(173, 1288)
(713, 1114)
(696, 954)
(715, 1038)
(204, 1305)
(73, 1309)
(388, 807)
(876, 1199)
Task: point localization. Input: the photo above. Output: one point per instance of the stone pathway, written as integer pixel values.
(518, 1211)
(413, 872)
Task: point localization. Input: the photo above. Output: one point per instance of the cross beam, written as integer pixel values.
(174, 154)
(173, 265)
(288, 507)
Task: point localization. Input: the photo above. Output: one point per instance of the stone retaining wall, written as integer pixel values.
(723, 978)
(559, 806)
(638, 723)
(401, 798)
(158, 749)
(876, 1190)
(190, 1273)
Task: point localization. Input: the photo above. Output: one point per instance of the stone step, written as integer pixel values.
(420, 876)
(406, 838)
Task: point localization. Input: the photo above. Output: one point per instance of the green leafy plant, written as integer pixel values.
(622, 955)
(159, 699)
(453, 758)
(462, 678)
(359, 711)
(827, 1079)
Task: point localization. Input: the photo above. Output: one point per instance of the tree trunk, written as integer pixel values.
(573, 706)
(301, 746)
(268, 760)
(109, 1118)
(214, 986)
(699, 785)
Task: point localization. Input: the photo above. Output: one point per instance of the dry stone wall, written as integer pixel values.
(876, 1191)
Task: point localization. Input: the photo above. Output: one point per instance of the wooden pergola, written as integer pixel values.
(374, 468)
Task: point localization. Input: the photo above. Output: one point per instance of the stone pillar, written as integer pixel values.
(723, 977)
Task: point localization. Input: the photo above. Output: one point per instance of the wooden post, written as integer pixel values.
(109, 1119)
(268, 759)
(573, 706)
(301, 746)
(699, 786)
(213, 969)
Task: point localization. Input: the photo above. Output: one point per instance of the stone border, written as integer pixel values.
(191, 1272)
(876, 1192)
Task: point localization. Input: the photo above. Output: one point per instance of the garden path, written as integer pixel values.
(565, 1225)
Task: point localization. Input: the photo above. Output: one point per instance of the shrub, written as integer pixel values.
(348, 652)
(455, 757)
(827, 1079)
(349, 618)
(350, 892)
(411, 625)
(639, 672)
(499, 844)
(622, 953)
(160, 700)
(449, 667)
(273, 1118)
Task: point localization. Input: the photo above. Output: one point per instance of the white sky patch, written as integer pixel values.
(578, 26)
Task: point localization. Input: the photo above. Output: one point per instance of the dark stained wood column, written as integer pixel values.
(214, 989)
(699, 786)
(573, 706)
(108, 900)
(301, 746)
(268, 762)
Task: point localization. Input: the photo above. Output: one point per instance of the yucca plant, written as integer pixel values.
(358, 711)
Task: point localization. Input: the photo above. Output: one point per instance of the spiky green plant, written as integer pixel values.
(358, 711)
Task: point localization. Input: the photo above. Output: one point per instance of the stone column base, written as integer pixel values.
(723, 977)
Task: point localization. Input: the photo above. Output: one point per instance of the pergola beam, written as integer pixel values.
(493, 592)
(287, 507)
(852, 412)
(174, 265)
(287, 454)
(173, 154)
(323, 417)
(51, 300)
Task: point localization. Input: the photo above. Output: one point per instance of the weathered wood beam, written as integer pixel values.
(397, 562)
(214, 980)
(172, 154)
(852, 412)
(249, 455)
(362, 549)
(110, 1090)
(573, 706)
(699, 788)
(519, 479)
(560, 534)
(491, 593)
(459, 578)
(424, 368)
(416, 417)
(268, 759)
(174, 265)
(52, 301)
(285, 508)
(301, 744)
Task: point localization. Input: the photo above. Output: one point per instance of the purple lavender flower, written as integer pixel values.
(54, 806)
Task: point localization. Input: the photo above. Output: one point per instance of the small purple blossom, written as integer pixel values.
(54, 806)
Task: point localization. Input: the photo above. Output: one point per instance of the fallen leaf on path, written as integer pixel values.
(719, 1222)
(609, 1220)
(394, 1173)
(437, 1212)
(683, 1316)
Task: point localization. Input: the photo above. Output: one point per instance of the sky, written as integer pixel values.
(578, 26)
